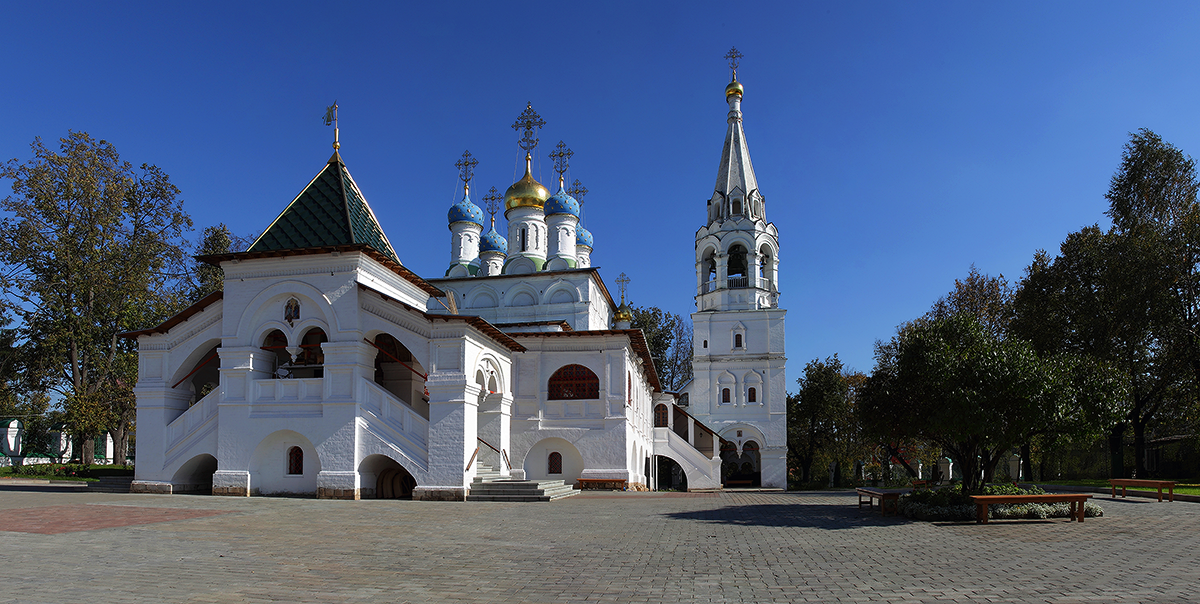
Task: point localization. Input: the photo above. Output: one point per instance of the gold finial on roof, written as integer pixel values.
(331, 118)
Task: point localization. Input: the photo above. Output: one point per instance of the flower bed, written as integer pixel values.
(951, 503)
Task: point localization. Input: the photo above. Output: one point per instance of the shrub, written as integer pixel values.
(951, 503)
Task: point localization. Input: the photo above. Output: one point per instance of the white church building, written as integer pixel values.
(326, 368)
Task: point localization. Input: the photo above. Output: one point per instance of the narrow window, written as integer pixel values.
(554, 463)
(295, 462)
(660, 416)
(737, 340)
(524, 239)
(724, 395)
(706, 343)
(752, 396)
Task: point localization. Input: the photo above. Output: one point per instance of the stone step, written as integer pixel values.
(520, 490)
(111, 484)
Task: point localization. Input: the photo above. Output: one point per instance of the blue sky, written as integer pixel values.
(896, 143)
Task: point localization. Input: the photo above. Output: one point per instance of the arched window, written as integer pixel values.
(752, 396)
(554, 463)
(724, 395)
(737, 340)
(737, 261)
(295, 460)
(573, 382)
(660, 416)
(628, 388)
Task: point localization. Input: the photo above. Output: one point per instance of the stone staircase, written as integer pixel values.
(111, 484)
(489, 486)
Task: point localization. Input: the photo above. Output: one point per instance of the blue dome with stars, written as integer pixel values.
(561, 203)
(583, 236)
(493, 242)
(465, 211)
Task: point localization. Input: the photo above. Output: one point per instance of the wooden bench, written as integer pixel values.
(1137, 482)
(888, 500)
(1075, 499)
(922, 484)
(739, 483)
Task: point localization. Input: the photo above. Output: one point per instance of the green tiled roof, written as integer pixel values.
(329, 211)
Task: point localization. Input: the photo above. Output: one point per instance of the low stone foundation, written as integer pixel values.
(329, 493)
(439, 494)
(596, 484)
(231, 491)
(154, 488)
(638, 486)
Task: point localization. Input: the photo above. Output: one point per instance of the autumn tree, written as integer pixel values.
(205, 277)
(92, 247)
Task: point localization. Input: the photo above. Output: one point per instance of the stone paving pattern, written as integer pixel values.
(601, 547)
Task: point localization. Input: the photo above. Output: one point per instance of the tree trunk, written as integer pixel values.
(87, 450)
(806, 470)
(119, 441)
(1139, 448)
(1116, 450)
(1026, 462)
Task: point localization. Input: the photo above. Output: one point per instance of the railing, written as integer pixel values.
(739, 282)
(503, 455)
(394, 413)
(709, 286)
(192, 419)
(736, 283)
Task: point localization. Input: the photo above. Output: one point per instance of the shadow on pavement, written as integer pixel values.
(800, 515)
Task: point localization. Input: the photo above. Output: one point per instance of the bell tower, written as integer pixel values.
(739, 384)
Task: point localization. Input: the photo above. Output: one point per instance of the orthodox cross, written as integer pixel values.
(734, 58)
(529, 121)
(466, 167)
(622, 283)
(491, 202)
(560, 156)
(331, 120)
(577, 191)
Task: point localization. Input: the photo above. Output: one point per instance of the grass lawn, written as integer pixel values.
(1185, 486)
(6, 473)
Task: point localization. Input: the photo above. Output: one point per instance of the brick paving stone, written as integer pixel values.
(595, 547)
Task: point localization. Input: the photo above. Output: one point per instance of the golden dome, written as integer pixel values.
(527, 192)
(624, 314)
(734, 87)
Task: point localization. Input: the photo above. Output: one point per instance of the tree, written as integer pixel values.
(816, 412)
(208, 278)
(93, 248)
(669, 338)
(1128, 296)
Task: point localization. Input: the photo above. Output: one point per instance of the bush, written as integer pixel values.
(952, 504)
(71, 470)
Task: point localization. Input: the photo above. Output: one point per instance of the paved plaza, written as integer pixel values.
(604, 547)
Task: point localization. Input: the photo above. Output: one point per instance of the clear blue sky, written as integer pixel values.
(896, 143)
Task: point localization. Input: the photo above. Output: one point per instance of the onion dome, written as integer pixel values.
(493, 241)
(624, 314)
(465, 211)
(527, 192)
(583, 236)
(733, 88)
(561, 202)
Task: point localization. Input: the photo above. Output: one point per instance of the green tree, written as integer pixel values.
(1128, 296)
(817, 412)
(93, 247)
(206, 277)
(669, 338)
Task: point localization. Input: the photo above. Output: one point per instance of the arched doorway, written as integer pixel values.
(204, 376)
(390, 479)
(195, 476)
(671, 476)
(310, 363)
(398, 372)
(553, 459)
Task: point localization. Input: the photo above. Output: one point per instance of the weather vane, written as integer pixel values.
(734, 60)
(560, 156)
(622, 283)
(529, 121)
(466, 168)
(331, 120)
(492, 202)
(577, 191)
